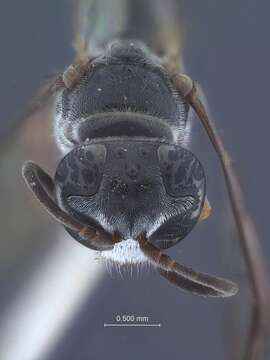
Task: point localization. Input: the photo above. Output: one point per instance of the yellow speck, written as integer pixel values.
(206, 211)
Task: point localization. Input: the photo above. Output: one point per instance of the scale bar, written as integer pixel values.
(131, 325)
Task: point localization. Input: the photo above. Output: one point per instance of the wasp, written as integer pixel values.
(128, 186)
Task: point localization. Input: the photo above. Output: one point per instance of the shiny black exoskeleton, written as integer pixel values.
(124, 131)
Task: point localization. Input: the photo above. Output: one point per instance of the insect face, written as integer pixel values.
(132, 187)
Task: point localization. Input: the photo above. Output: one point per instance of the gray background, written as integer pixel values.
(227, 50)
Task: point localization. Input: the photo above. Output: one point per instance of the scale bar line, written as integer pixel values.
(131, 325)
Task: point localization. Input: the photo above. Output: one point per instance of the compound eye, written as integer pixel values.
(181, 171)
(80, 171)
(184, 182)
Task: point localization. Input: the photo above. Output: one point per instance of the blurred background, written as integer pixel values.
(55, 296)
